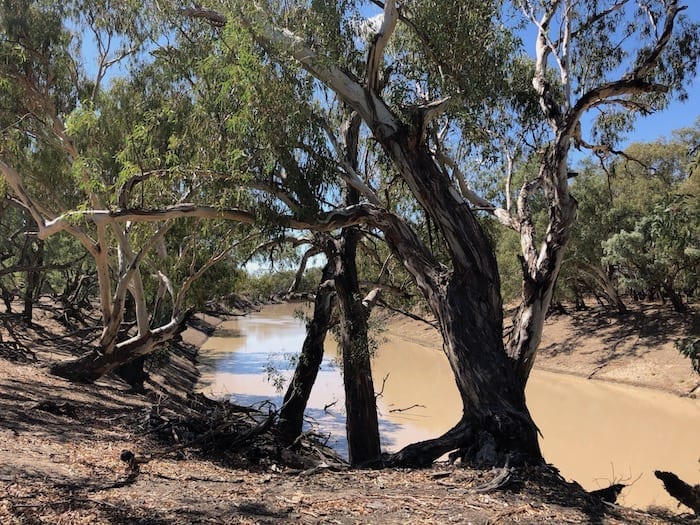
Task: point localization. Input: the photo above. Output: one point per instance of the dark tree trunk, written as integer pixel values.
(360, 401)
(297, 396)
(496, 426)
(34, 259)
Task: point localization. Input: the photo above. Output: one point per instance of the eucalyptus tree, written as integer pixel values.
(661, 254)
(428, 76)
(99, 161)
(287, 160)
(614, 196)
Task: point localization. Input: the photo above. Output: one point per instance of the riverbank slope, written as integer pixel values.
(637, 348)
(60, 447)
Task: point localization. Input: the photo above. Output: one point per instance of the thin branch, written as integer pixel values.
(215, 18)
(302, 268)
(410, 315)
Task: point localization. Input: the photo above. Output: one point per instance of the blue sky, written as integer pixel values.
(678, 114)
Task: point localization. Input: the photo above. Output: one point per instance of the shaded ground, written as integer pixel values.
(60, 447)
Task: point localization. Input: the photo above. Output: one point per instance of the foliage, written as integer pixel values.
(266, 285)
(662, 253)
(690, 348)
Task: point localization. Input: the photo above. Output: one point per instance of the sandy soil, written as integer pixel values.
(60, 444)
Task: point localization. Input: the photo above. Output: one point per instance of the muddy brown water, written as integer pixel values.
(596, 433)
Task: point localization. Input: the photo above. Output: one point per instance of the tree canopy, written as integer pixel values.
(191, 138)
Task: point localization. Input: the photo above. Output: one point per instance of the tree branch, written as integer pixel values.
(375, 57)
(213, 17)
(365, 102)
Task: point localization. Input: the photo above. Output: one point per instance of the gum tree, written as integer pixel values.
(92, 162)
(422, 116)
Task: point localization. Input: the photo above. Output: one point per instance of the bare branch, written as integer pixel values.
(371, 299)
(379, 43)
(302, 268)
(63, 221)
(634, 82)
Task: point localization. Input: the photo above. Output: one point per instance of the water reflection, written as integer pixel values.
(594, 432)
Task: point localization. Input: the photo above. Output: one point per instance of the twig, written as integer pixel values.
(499, 481)
(414, 405)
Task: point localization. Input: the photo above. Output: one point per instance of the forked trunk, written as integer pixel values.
(541, 264)
(495, 426)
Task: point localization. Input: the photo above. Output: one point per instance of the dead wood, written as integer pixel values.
(609, 494)
(680, 490)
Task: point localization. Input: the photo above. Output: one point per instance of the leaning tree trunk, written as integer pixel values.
(496, 426)
(297, 396)
(96, 363)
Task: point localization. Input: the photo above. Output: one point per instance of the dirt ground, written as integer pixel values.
(60, 443)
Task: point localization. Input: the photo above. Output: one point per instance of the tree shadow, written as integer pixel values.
(633, 334)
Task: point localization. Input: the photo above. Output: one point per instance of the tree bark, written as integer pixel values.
(360, 403)
(541, 267)
(93, 365)
(496, 425)
(361, 421)
(297, 396)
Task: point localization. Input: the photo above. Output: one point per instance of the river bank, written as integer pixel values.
(60, 464)
(637, 348)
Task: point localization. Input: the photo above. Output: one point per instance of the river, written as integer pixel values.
(596, 433)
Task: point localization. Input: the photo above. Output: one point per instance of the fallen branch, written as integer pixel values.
(414, 405)
(609, 494)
